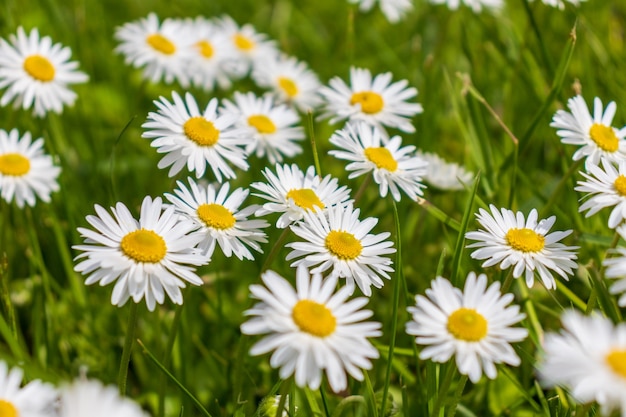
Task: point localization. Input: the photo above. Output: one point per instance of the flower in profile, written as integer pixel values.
(444, 175)
(272, 126)
(37, 73)
(394, 10)
(377, 102)
(475, 5)
(561, 3)
(616, 269)
(588, 357)
(311, 329)
(269, 406)
(216, 214)
(594, 134)
(393, 167)
(79, 399)
(473, 325)
(290, 80)
(26, 171)
(35, 399)
(526, 245)
(338, 241)
(293, 193)
(163, 50)
(606, 186)
(148, 258)
(194, 139)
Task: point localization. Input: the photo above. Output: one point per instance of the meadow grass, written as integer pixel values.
(489, 84)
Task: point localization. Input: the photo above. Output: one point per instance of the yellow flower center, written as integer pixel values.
(14, 164)
(382, 158)
(305, 198)
(343, 245)
(40, 68)
(620, 185)
(201, 131)
(144, 246)
(205, 48)
(617, 361)
(289, 87)
(604, 137)
(216, 216)
(161, 44)
(243, 42)
(525, 240)
(262, 123)
(314, 318)
(370, 101)
(7, 409)
(467, 324)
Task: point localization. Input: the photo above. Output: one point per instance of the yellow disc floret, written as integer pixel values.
(288, 86)
(262, 123)
(382, 158)
(343, 245)
(525, 240)
(604, 137)
(205, 48)
(467, 324)
(370, 101)
(617, 361)
(40, 68)
(216, 216)
(620, 185)
(201, 131)
(144, 246)
(14, 164)
(305, 198)
(7, 409)
(242, 42)
(314, 318)
(161, 44)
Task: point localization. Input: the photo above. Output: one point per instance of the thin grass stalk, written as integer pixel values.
(458, 392)
(371, 395)
(542, 46)
(324, 401)
(167, 354)
(128, 347)
(316, 158)
(458, 249)
(442, 392)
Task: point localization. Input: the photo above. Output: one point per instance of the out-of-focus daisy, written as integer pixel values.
(377, 102)
(293, 193)
(561, 3)
(148, 258)
(217, 215)
(247, 45)
(473, 325)
(36, 73)
(475, 5)
(269, 406)
(26, 171)
(35, 399)
(338, 241)
(588, 357)
(163, 50)
(594, 134)
(393, 10)
(393, 167)
(274, 133)
(444, 175)
(193, 138)
(291, 80)
(616, 268)
(311, 329)
(509, 240)
(91, 398)
(606, 186)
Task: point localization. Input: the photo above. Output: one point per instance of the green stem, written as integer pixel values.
(167, 355)
(507, 282)
(372, 395)
(458, 392)
(530, 309)
(128, 346)
(361, 190)
(443, 390)
(316, 158)
(277, 246)
(324, 402)
(542, 46)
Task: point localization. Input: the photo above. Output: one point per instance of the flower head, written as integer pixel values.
(393, 167)
(526, 245)
(25, 170)
(148, 258)
(444, 175)
(393, 10)
(311, 329)
(80, 398)
(616, 268)
(473, 325)
(475, 5)
(377, 101)
(35, 399)
(338, 241)
(36, 73)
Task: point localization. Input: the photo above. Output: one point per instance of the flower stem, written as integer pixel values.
(128, 346)
(443, 390)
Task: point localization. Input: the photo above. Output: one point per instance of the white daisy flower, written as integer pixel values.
(37, 73)
(393, 167)
(377, 102)
(217, 216)
(588, 357)
(148, 258)
(475, 5)
(80, 398)
(193, 138)
(35, 399)
(311, 329)
(616, 268)
(444, 175)
(394, 10)
(163, 50)
(606, 186)
(290, 80)
(293, 193)
(339, 241)
(561, 3)
(594, 134)
(271, 126)
(473, 325)
(509, 240)
(26, 171)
